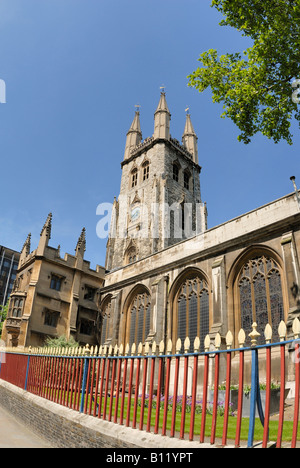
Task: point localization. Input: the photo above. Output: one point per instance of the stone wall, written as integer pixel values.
(65, 428)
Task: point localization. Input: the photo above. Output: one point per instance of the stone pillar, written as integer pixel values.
(291, 265)
(115, 315)
(220, 322)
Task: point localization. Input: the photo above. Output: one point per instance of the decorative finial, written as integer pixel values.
(47, 226)
(82, 240)
(296, 328)
(187, 110)
(254, 335)
(282, 330)
(268, 333)
(27, 245)
(241, 338)
(229, 339)
(163, 88)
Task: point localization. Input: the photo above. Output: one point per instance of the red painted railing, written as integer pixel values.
(163, 392)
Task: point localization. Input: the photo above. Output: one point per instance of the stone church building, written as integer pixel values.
(166, 275)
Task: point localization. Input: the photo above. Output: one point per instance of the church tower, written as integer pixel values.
(160, 200)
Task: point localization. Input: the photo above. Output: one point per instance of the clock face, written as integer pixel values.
(135, 213)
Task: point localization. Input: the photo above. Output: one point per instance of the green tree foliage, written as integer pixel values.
(255, 86)
(3, 315)
(61, 342)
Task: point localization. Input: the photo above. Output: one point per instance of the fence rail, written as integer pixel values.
(155, 389)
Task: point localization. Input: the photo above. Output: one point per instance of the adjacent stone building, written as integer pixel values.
(53, 296)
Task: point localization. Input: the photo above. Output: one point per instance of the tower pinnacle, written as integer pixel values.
(162, 118)
(45, 235)
(134, 134)
(189, 137)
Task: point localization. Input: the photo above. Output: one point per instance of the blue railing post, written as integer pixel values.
(27, 371)
(255, 398)
(84, 379)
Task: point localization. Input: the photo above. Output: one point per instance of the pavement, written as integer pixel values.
(14, 434)
(288, 411)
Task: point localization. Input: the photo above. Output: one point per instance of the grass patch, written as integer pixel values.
(232, 421)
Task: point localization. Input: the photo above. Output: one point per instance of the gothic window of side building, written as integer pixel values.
(86, 327)
(56, 282)
(51, 318)
(260, 295)
(138, 319)
(17, 308)
(90, 293)
(191, 310)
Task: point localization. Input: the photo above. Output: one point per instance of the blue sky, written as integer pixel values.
(74, 70)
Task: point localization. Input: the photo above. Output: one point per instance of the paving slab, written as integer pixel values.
(14, 434)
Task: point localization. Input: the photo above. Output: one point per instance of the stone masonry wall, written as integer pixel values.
(65, 428)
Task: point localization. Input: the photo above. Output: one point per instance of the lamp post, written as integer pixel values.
(296, 190)
(293, 178)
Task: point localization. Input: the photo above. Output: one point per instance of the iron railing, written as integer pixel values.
(163, 390)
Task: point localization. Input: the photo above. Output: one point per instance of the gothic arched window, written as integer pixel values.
(191, 307)
(18, 308)
(175, 172)
(105, 326)
(146, 170)
(186, 180)
(260, 295)
(134, 178)
(138, 319)
(131, 255)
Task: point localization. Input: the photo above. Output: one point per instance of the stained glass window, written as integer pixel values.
(192, 311)
(204, 323)
(181, 332)
(260, 296)
(246, 304)
(138, 320)
(276, 302)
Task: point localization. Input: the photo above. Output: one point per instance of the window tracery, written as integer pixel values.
(260, 295)
(191, 316)
(138, 319)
